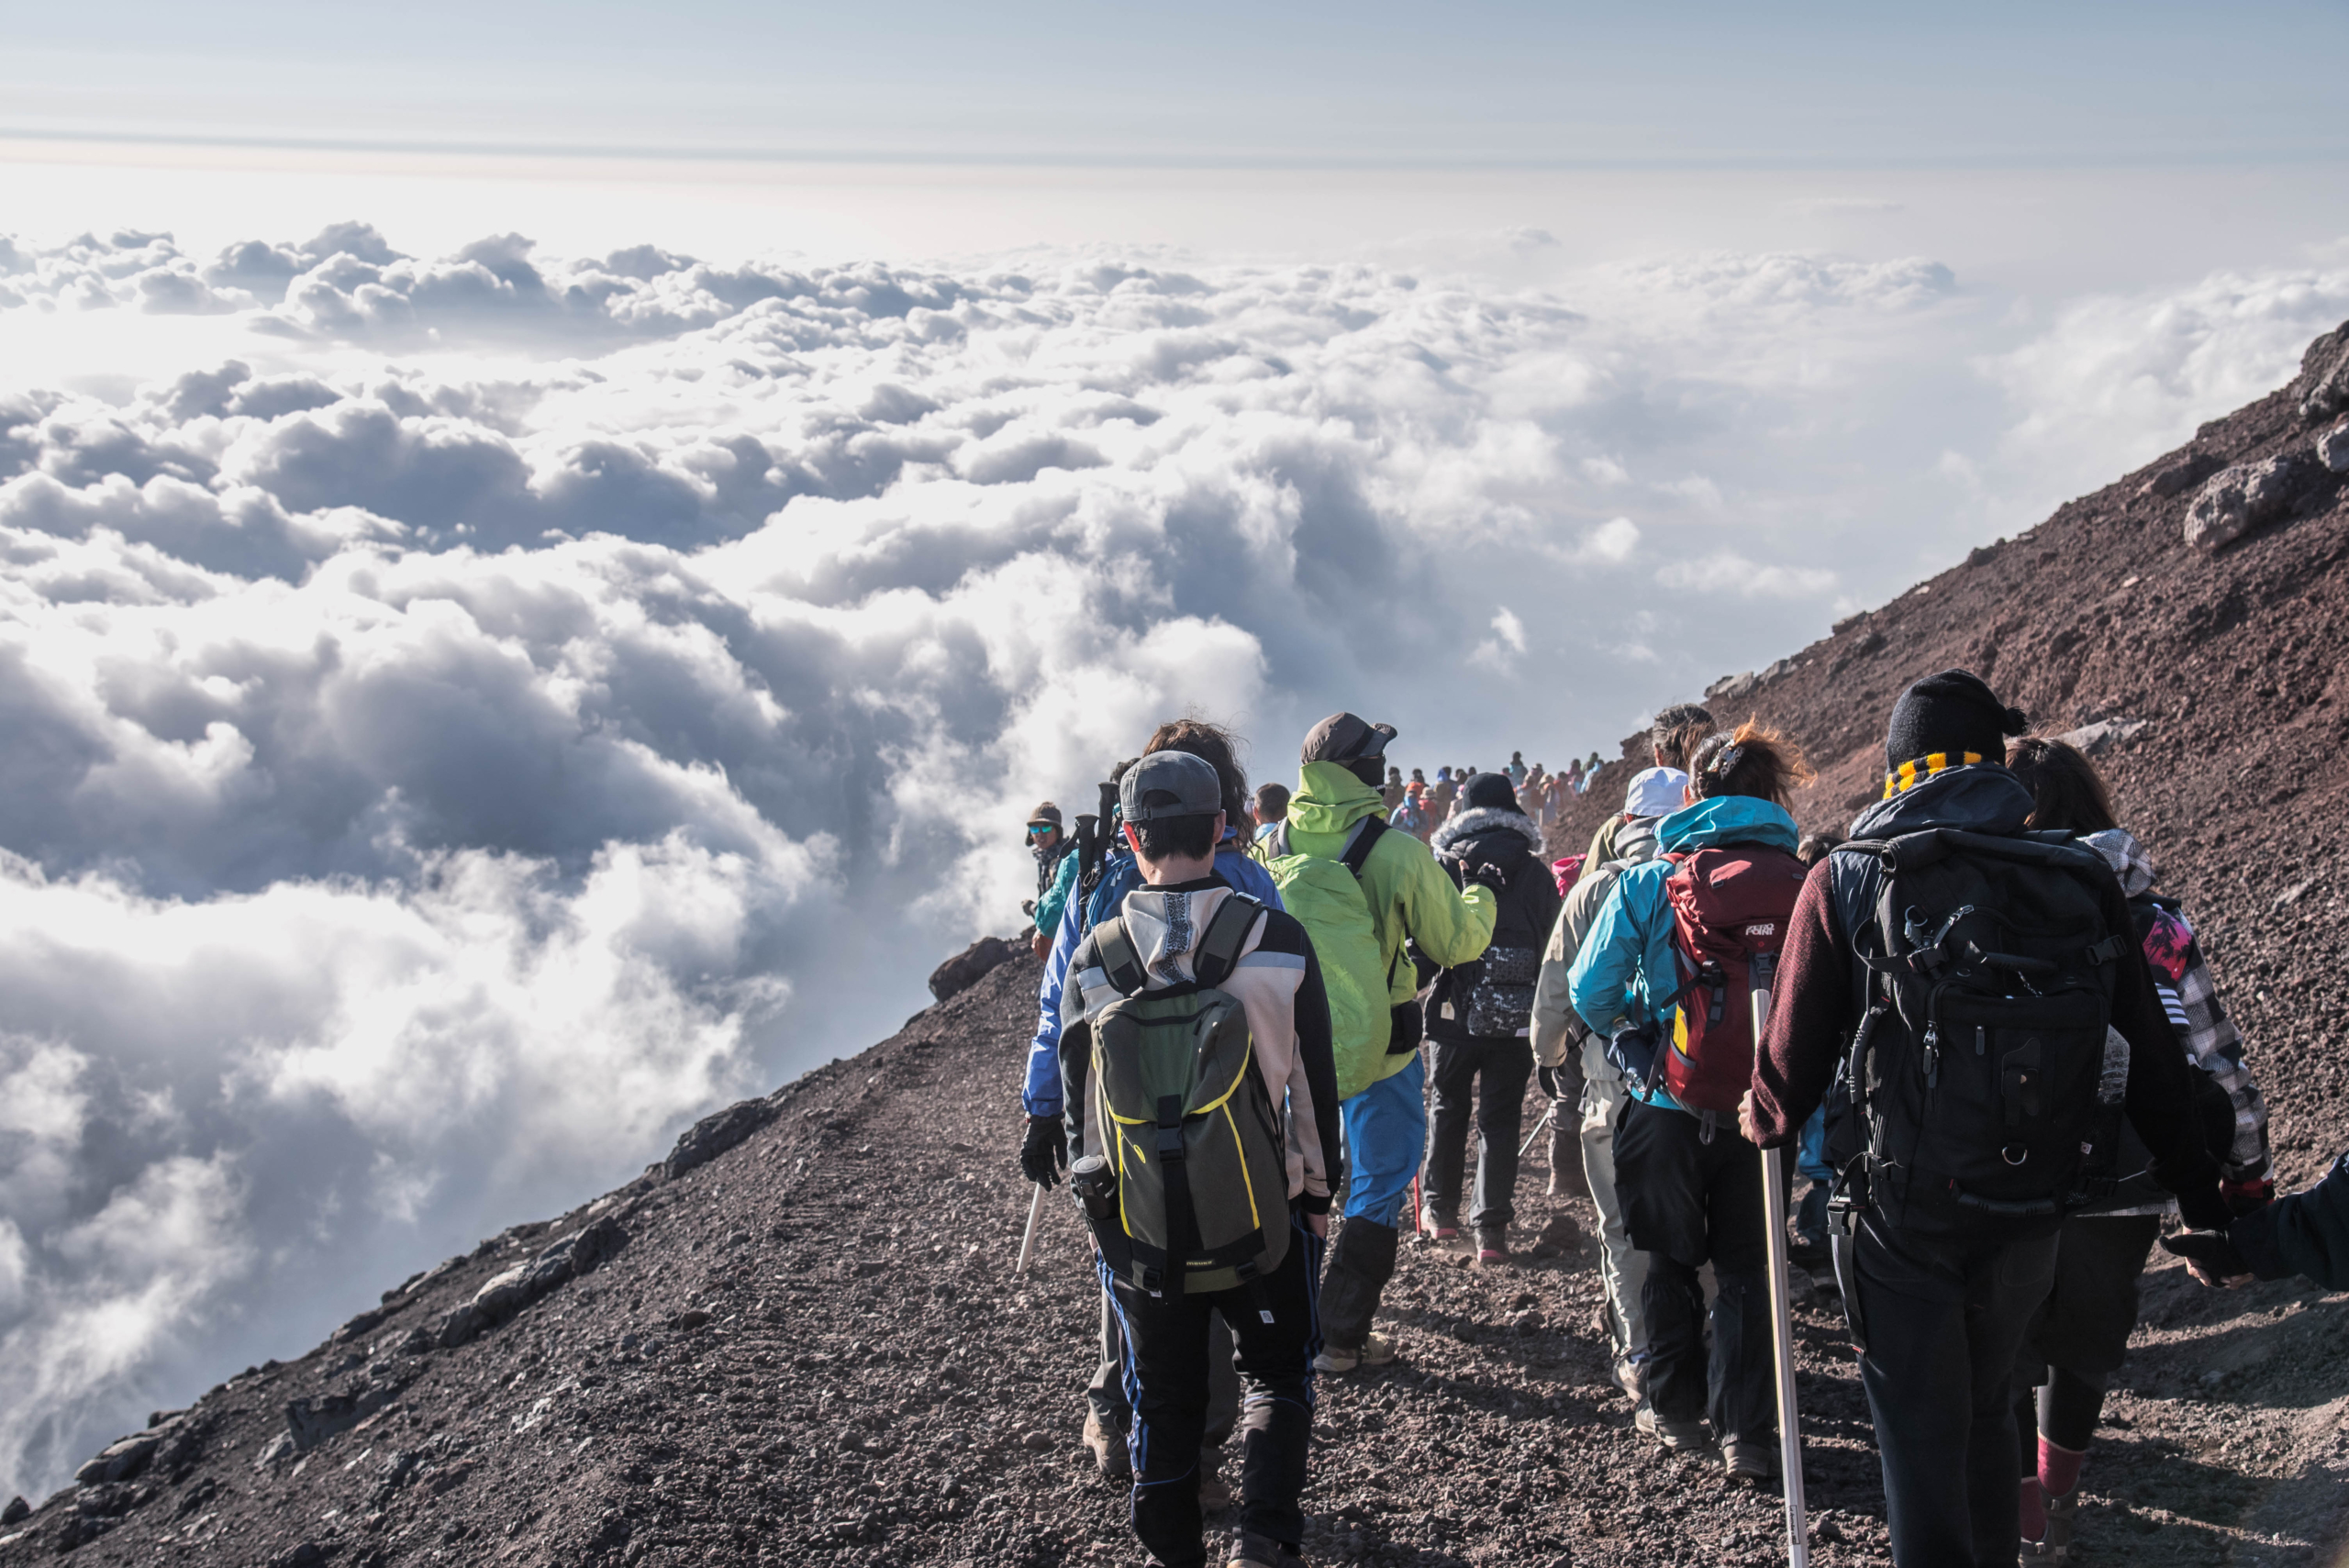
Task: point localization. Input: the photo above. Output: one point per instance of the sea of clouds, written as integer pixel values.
(461, 719)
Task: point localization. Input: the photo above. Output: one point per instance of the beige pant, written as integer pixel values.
(1624, 1269)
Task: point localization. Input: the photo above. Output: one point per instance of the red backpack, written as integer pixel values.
(1729, 905)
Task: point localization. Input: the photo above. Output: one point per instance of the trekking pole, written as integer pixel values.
(1782, 1316)
(1028, 1241)
(1546, 1117)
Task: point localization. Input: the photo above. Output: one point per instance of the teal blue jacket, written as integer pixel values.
(1626, 966)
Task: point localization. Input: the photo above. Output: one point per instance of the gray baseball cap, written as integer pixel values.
(1170, 784)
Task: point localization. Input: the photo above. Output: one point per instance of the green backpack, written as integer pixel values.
(1327, 898)
(1195, 1194)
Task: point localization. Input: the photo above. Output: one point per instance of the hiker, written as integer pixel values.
(1676, 729)
(1044, 1150)
(2079, 1335)
(1269, 806)
(1362, 892)
(1663, 975)
(1516, 769)
(2302, 1233)
(1192, 985)
(1443, 789)
(1479, 1017)
(1956, 1188)
(1390, 794)
(1575, 1071)
(1412, 815)
(1048, 841)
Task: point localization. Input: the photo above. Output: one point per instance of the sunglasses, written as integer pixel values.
(1038, 830)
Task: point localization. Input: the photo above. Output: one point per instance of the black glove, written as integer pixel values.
(1043, 1153)
(2211, 1251)
(1486, 874)
(1548, 1078)
(2203, 1208)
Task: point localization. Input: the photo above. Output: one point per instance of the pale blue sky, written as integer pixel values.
(1374, 84)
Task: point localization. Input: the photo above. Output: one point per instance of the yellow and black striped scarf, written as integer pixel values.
(1916, 769)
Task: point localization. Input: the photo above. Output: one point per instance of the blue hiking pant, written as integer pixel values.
(1386, 1131)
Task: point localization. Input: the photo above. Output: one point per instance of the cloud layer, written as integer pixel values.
(466, 717)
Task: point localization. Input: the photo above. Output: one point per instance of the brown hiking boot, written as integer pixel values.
(1253, 1551)
(1109, 1446)
(1215, 1493)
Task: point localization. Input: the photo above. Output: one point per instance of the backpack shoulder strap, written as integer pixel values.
(1121, 964)
(1366, 836)
(1219, 944)
(1276, 839)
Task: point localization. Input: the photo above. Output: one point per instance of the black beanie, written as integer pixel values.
(1492, 790)
(1951, 713)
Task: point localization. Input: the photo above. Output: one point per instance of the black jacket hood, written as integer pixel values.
(1981, 797)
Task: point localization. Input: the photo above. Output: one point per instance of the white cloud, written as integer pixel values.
(469, 715)
(1727, 572)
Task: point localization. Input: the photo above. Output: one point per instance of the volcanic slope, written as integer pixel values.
(800, 1339)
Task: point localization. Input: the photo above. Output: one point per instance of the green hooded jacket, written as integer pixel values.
(1410, 895)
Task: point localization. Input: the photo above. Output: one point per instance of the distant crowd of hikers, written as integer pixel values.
(1270, 1020)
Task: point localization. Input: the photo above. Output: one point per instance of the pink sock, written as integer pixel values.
(2059, 1468)
(2034, 1510)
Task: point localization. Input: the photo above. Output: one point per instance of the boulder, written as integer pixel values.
(120, 1459)
(2324, 383)
(2239, 499)
(1729, 688)
(16, 1511)
(2169, 480)
(2332, 446)
(714, 1135)
(967, 968)
(2090, 739)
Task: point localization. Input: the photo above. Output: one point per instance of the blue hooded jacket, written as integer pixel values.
(1120, 875)
(1626, 963)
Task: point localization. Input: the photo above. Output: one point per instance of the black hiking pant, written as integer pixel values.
(2079, 1336)
(1940, 1321)
(1492, 1074)
(1106, 1392)
(1688, 1199)
(1276, 1332)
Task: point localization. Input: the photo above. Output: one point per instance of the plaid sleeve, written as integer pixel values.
(2211, 1039)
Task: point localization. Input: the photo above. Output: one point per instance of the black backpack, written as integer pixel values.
(1984, 1076)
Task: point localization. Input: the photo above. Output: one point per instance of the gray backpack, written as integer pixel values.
(1190, 1190)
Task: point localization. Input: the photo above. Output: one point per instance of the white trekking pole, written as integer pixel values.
(1028, 1241)
(1546, 1119)
(1782, 1322)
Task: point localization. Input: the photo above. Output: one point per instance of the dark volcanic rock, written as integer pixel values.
(962, 972)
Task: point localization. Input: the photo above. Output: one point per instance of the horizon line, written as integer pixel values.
(1269, 162)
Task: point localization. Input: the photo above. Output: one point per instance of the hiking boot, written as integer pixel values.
(1376, 1350)
(1492, 1247)
(1631, 1378)
(1567, 1179)
(1677, 1437)
(2063, 1513)
(1109, 1446)
(1215, 1493)
(1436, 1227)
(1250, 1549)
(1749, 1459)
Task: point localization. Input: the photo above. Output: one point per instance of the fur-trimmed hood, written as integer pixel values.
(1486, 821)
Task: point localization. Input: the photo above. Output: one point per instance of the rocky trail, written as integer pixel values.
(799, 1339)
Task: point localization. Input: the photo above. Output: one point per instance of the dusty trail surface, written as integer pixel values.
(799, 1341)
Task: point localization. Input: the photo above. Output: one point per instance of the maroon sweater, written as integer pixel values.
(1813, 1010)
